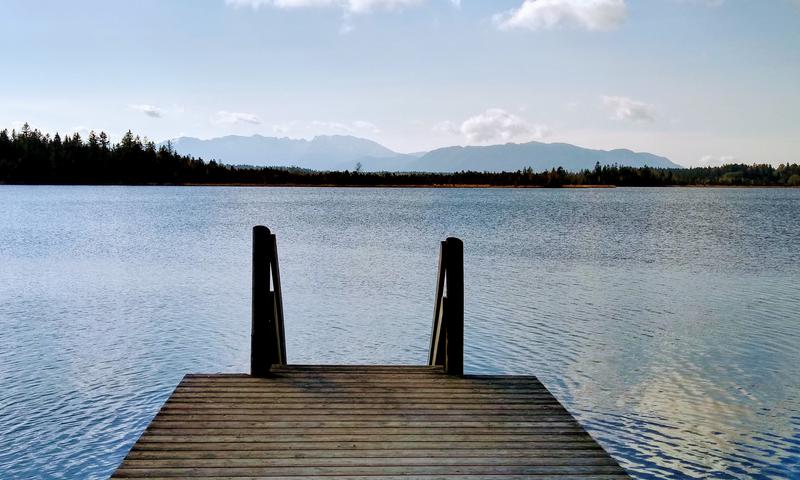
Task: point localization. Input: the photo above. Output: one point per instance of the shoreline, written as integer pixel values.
(390, 186)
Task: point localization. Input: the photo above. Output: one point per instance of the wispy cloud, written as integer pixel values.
(149, 110)
(355, 127)
(708, 3)
(624, 108)
(594, 15)
(256, 4)
(353, 6)
(494, 125)
(232, 118)
(366, 126)
(349, 8)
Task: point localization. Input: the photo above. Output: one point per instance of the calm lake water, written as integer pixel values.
(666, 320)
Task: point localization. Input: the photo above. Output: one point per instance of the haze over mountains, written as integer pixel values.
(344, 152)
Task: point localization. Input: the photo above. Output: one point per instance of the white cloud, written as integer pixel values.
(231, 118)
(594, 15)
(498, 125)
(366, 126)
(348, 7)
(328, 126)
(356, 127)
(353, 6)
(624, 108)
(360, 6)
(716, 161)
(256, 4)
(149, 110)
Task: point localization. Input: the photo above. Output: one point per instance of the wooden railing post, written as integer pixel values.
(447, 335)
(279, 357)
(267, 341)
(436, 351)
(454, 346)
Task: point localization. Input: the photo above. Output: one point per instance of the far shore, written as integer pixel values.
(421, 185)
(436, 186)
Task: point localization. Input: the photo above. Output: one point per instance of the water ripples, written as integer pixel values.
(664, 319)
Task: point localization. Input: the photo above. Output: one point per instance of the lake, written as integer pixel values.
(666, 320)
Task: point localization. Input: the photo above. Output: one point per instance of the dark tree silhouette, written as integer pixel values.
(31, 157)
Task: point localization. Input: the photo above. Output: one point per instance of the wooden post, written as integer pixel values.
(267, 341)
(436, 352)
(454, 333)
(262, 307)
(447, 335)
(279, 353)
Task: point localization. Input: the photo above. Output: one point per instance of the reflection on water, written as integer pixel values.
(665, 319)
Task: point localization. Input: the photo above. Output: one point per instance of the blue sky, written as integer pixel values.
(700, 81)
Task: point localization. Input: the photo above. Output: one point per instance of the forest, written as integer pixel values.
(31, 157)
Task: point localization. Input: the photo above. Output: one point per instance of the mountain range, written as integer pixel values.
(345, 152)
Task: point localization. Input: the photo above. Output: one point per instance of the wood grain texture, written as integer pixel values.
(375, 422)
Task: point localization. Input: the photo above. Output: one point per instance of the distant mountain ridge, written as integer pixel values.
(537, 155)
(324, 152)
(344, 152)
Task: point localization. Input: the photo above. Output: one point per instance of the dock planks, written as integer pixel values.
(364, 422)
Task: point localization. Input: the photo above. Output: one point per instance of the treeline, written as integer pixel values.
(31, 157)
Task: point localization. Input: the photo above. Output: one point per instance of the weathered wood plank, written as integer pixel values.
(601, 476)
(578, 444)
(132, 463)
(363, 437)
(285, 374)
(380, 418)
(301, 367)
(231, 403)
(387, 433)
(532, 452)
(376, 422)
(315, 415)
(346, 369)
(309, 471)
(376, 398)
(355, 387)
(165, 421)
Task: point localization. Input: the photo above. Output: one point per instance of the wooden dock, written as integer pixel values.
(363, 422)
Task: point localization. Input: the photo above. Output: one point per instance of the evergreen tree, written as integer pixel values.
(32, 157)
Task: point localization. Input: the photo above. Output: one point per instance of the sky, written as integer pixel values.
(702, 82)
